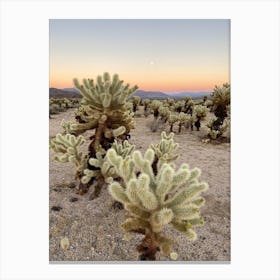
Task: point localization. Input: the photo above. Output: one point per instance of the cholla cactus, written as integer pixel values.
(214, 132)
(67, 148)
(154, 201)
(102, 165)
(182, 119)
(135, 102)
(155, 105)
(179, 105)
(170, 101)
(188, 105)
(172, 119)
(103, 109)
(164, 113)
(200, 113)
(189, 122)
(208, 103)
(146, 103)
(104, 104)
(221, 103)
(165, 151)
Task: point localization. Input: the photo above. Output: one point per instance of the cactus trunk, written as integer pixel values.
(148, 247)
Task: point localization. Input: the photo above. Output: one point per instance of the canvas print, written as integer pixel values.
(139, 140)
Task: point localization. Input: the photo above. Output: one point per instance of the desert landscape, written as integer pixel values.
(139, 140)
(92, 226)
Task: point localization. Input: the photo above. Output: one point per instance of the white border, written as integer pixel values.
(255, 137)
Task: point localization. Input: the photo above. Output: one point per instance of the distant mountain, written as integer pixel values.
(74, 93)
(62, 93)
(163, 95)
(193, 95)
(150, 94)
(70, 89)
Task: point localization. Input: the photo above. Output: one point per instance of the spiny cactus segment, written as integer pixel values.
(67, 148)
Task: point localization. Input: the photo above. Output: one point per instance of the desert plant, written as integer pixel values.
(213, 133)
(179, 106)
(170, 101)
(182, 119)
(146, 103)
(104, 111)
(155, 105)
(135, 102)
(188, 105)
(172, 119)
(220, 107)
(200, 113)
(164, 113)
(205, 97)
(154, 201)
(68, 149)
(189, 122)
(208, 103)
(102, 170)
(165, 151)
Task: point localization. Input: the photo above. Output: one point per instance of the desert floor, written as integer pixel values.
(93, 226)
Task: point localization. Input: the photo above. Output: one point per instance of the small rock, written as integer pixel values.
(173, 256)
(64, 243)
(56, 208)
(73, 199)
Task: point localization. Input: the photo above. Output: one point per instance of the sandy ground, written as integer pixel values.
(93, 226)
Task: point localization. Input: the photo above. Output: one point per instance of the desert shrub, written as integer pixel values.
(182, 120)
(54, 109)
(172, 119)
(179, 106)
(146, 103)
(135, 102)
(220, 107)
(103, 111)
(157, 195)
(155, 105)
(164, 113)
(189, 104)
(217, 133)
(200, 113)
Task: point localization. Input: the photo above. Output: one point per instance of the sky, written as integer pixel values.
(159, 55)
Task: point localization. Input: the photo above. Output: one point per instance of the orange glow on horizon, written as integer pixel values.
(163, 86)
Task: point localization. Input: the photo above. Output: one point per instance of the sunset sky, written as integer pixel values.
(159, 55)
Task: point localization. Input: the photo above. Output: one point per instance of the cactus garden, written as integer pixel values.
(145, 188)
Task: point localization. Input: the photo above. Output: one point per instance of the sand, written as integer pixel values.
(93, 226)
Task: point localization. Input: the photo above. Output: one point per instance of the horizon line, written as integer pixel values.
(193, 91)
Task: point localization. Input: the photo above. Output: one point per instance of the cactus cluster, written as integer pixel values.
(164, 113)
(157, 199)
(103, 110)
(103, 166)
(57, 105)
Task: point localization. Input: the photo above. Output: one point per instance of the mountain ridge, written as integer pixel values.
(74, 93)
